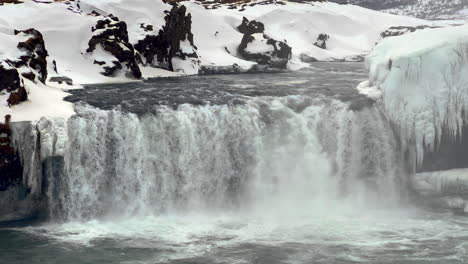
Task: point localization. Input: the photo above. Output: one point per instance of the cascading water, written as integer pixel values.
(295, 152)
(285, 168)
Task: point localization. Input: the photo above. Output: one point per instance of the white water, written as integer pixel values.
(242, 158)
(250, 183)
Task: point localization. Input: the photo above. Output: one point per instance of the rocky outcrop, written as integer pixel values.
(322, 41)
(173, 46)
(32, 65)
(111, 35)
(11, 171)
(11, 83)
(257, 46)
(35, 55)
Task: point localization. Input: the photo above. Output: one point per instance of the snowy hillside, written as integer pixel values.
(424, 85)
(91, 41)
(427, 9)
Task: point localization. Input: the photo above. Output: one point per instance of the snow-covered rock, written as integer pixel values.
(257, 46)
(110, 37)
(173, 47)
(424, 85)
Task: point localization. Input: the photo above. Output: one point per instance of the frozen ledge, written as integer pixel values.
(423, 78)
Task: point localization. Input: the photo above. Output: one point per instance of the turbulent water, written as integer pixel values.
(283, 168)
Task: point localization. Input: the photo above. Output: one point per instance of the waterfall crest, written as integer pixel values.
(288, 152)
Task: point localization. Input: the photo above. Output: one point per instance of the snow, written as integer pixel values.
(353, 31)
(424, 85)
(42, 101)
(259, 45)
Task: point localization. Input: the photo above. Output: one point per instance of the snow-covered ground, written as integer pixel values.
(66, 28)
(423, 78)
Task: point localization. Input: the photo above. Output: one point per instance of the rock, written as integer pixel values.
(10, 82)
(11, 171)
(307, 59)
(35, 55)
(260, 48)
(61, 79)
(251, 27)
(111, 34)
(173, 44)
(9, 79)
(322, 41)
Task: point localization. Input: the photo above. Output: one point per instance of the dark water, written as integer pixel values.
(333, 80)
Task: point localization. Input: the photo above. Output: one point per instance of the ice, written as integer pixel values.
(424, 83)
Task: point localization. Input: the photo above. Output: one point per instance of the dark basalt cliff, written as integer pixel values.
(11, 171)
(111, 34)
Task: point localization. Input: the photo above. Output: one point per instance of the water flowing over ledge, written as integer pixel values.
(292, 151)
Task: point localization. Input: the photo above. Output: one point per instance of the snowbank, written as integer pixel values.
(423, 78)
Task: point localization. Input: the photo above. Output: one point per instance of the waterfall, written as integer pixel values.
(290, 152)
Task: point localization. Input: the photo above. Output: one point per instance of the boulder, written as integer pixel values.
(112, 36)
(257, 46)
(322, 41)
(173, 46)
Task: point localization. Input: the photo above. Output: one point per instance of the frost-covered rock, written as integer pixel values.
(258, 47)
(110, 42)
(424, 85)
(173, 48)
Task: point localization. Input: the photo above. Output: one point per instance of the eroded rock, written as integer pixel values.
(111, 35)
(257, 46)
(173, 48)
(322, 41)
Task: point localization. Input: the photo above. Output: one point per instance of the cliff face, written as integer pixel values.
(11, 171)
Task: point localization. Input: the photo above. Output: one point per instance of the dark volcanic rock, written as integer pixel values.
(322, 41)
(11, 83)
(266, 51)
(35, 55)
(11, 171)
(33, 62)
(61, 79)
(112, 35)
(174, 41)
(251, 27)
